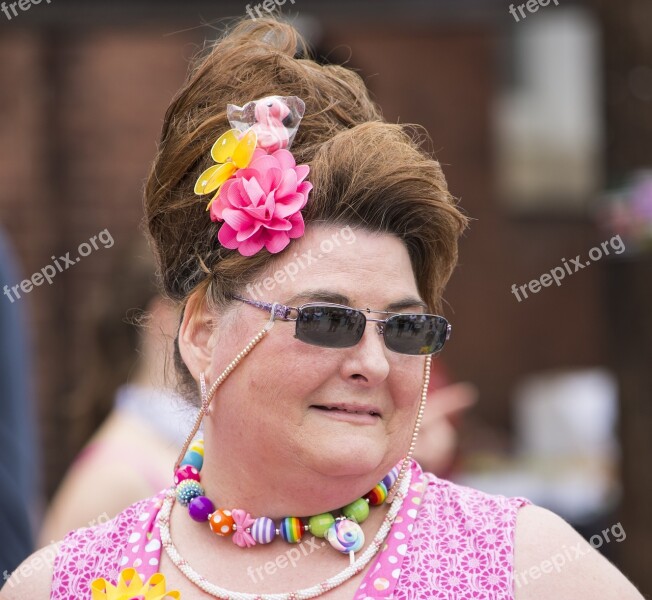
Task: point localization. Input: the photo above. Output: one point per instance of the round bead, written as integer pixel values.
(200, 508)
(357, 511)
(193, 459)
(187, 490)
(221, 522)
(390, 479)
(377, 495)
(186, 472)
(291, 529)
(263, 530)
(319, 524)
(345, 536)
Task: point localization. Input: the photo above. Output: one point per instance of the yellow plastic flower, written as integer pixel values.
(232, 152)
(130, 586)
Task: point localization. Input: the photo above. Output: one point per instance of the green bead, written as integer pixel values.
(357, 511)
(320, 524)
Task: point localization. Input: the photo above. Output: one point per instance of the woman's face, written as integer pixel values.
(273, 404)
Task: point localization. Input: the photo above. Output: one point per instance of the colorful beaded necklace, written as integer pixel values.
(342, 532)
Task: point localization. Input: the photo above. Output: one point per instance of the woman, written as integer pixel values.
(309, 424)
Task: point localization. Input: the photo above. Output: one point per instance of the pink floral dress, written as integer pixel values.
(448, 542)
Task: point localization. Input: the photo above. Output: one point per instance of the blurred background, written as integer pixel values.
(542, 121)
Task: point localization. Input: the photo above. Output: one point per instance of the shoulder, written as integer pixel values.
(63, 571)
(33, 578)
(552, 560)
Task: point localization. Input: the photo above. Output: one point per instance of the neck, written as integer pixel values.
(279, 491)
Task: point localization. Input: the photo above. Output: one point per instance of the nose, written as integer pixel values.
(367, 361)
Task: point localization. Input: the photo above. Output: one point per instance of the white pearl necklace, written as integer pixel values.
(311, 592)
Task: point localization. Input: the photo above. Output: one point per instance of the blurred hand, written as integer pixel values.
(437, 441)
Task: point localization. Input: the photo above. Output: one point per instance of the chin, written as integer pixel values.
(348, 455)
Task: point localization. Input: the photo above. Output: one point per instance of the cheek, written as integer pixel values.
(286, 375)
(406, 382)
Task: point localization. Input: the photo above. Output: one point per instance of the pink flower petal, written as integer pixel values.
(277, 242)
(305, 188)
(298, 226)
(252, 190)
(252, 245)
(246, 233)
(226, 236)
(263, 163)
(289, 205)
(288, 184)
(237, 219)
(260, 213)
(285, 159)
(302, 172)
(270, 204)
(277, 224)
(270, 179)
(221, 201)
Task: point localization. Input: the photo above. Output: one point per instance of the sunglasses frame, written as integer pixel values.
(283, 312)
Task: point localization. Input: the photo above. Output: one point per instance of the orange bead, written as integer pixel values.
(221, 522)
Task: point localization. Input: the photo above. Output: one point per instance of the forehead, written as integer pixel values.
(356, 264)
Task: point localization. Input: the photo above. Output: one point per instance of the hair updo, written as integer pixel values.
(366, 173)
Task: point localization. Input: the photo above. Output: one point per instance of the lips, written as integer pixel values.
(354, 409)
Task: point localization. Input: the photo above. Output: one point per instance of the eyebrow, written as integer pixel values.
(322, 295)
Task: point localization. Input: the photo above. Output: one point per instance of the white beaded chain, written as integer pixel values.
(311, 592)
(415, 430)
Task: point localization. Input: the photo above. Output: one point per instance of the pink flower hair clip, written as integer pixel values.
(258, 188)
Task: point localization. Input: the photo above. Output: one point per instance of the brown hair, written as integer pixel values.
(366, 173)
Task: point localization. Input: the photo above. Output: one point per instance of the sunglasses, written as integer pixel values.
(337, 326)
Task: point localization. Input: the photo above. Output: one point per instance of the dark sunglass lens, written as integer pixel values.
(330, 326)
(415, 334)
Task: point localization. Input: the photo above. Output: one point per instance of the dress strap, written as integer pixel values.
(143, 548)
(382, 576)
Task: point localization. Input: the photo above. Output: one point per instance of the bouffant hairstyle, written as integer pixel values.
(366, 173)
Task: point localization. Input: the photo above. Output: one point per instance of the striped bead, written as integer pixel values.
(390, 479)
(263, 530)
(197, 446)
(377, 496)
(291, 529)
